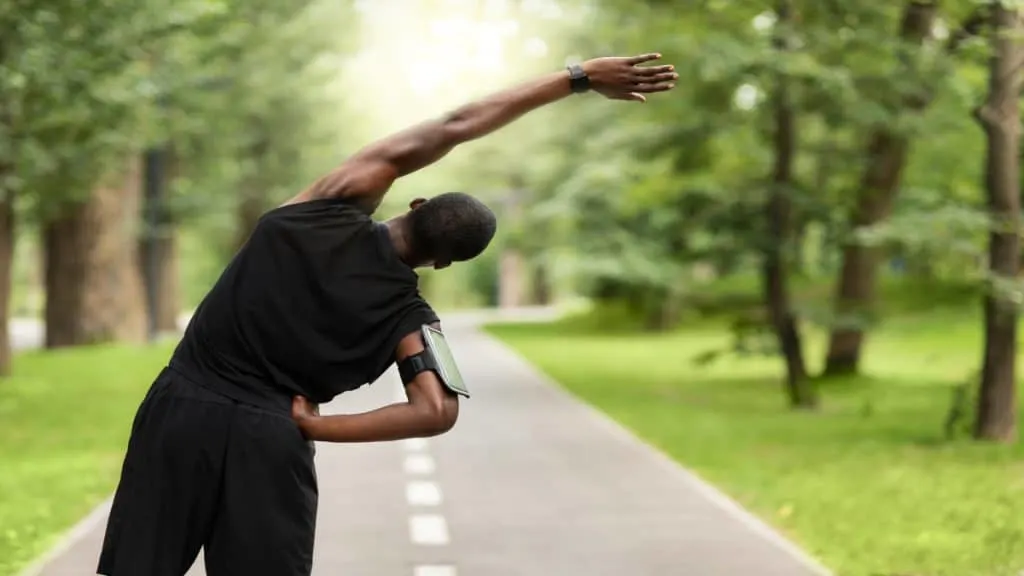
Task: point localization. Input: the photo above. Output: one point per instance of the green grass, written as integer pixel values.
(867, 484)
(64, 420)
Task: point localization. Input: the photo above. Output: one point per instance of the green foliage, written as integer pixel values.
(483, 277)
(276, 61)
(64, 421)
(962, 415)
(652, 199)
(240, 91)
(75, 85)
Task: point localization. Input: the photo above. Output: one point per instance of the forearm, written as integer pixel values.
(490, 113)
(426, 143)
(392, 422)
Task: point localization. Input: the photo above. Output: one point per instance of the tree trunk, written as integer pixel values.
(93, 285)
(511, 266)
(779, 216)
(250, 208)
(7, 238)
(513, 271)
(886, 157)
(799, 263)
(168, 304)
(253, 201)
(1000, 118)
(158, 257)
(541, 285)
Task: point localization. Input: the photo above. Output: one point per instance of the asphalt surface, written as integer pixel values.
(530, 482)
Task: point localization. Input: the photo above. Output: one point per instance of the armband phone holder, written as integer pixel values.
(436, 356)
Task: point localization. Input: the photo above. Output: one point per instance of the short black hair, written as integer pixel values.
(452, 227)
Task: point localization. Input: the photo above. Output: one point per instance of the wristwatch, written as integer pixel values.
(579, 82)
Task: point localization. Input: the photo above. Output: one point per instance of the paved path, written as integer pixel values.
(25, 333)
(29, 333)
(530, 482)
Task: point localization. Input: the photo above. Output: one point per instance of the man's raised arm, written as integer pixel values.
(369, 173)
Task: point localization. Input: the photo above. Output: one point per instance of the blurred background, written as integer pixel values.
(798, 273)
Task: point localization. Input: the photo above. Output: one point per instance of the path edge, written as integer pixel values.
(706, 489)
(68, 539)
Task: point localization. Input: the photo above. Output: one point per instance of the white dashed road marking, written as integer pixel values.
(422, 493)
(419, 464)
(415, 444)
(434, 571)
(428, 530)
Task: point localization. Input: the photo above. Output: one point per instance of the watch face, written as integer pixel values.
(578, 80)
(442, 352)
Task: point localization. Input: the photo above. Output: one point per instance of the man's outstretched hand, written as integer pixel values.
(625, 79)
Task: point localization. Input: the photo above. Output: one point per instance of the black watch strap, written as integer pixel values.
(412, 365)
(579, 82)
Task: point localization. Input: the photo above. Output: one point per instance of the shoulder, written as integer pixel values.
(416, 314)
(366, 204)
(318, 214)
(321, 205)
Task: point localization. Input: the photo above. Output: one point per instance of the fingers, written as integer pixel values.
(655, 78)
(303, 405)
(654, 87)
(630, 97)
(644, 58)
(646, 71)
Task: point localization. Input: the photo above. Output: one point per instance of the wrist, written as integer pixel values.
(578, 78)
(311, 427)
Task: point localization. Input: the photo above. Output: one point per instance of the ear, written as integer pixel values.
(416, 203)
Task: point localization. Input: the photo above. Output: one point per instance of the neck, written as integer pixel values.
(398, 231)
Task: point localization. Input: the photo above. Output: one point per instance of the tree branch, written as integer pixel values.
(969, 28)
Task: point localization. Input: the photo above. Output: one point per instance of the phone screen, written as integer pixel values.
(450, 374)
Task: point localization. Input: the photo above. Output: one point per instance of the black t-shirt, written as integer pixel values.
(315, 304)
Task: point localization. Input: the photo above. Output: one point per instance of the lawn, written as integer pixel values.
(867, 484)
(64, 420)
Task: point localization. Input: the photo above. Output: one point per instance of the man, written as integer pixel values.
(320, 301)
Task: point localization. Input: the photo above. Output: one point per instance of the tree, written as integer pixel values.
(885, 158)
(779, 217)
(158, 242)
(93, 285)
(7, 235)
(74, 91)
(999, 116)
(84, 90)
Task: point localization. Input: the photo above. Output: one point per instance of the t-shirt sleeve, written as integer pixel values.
(410, 320)
(413, 319)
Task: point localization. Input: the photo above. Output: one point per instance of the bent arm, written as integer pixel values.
(430, 410)
(369, 173)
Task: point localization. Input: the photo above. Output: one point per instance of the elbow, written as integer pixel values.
(440, 417)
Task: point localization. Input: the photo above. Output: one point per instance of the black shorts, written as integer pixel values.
(205, 471)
